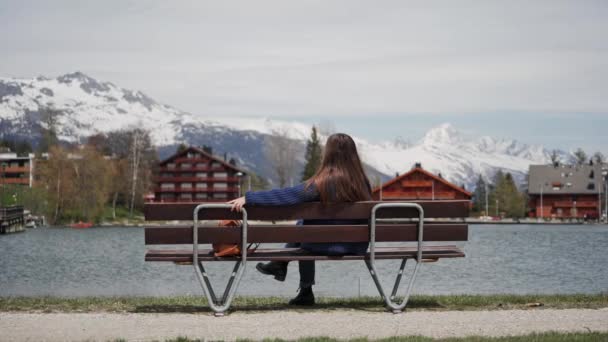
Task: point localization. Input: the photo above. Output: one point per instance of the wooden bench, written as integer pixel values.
(388, 222)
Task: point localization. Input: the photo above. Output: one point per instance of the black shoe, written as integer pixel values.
(304, 298)
(276, 268)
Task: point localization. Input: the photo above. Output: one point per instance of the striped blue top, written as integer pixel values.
(300, 194)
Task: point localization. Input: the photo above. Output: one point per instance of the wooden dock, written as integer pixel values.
(12, 219)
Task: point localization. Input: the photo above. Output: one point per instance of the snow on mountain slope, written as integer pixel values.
(88, 106)
(459, 159)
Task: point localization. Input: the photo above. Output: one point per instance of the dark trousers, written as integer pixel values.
(307, 269)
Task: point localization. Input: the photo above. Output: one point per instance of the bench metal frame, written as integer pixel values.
(220, 306)
(371, 262)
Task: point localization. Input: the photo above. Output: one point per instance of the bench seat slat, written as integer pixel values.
(311, 210)
(311, 233)
(288, 254)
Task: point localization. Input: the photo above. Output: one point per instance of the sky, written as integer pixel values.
(536, 71)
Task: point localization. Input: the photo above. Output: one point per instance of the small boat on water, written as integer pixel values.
(81, 225)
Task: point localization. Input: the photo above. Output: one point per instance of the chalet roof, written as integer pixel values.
(565, 179)
(204, 153)
(421, 170)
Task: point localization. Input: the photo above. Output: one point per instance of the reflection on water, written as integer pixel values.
(500, 259)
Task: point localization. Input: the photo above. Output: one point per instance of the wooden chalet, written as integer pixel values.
(419, 184)
(16, 170)
(566, 191)
(195, 175)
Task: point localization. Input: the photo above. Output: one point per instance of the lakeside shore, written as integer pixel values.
(198, 304)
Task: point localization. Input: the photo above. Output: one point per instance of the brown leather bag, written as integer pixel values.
(230, 249)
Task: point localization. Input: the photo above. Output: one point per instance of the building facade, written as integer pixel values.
(195, 175)
(419, 184)
(16, 170)
(566, 191)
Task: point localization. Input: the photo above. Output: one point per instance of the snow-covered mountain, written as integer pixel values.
(87, 106)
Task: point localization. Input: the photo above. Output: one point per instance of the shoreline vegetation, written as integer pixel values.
(536, 337)
(198, 304)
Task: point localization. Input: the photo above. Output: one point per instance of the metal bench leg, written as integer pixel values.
(219, 306)
(371, 262)
(398, 280)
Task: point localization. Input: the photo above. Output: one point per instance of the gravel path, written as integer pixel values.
(292, 325)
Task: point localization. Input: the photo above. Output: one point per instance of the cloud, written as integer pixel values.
(324, 58)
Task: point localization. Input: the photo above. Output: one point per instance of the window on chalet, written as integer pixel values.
(186, 185)
(216, 164)
(220, 185)
(201, 175)
(220, 174)
(185, 196)
(201, 195)
(186, 165)
(167, 186)
(201, 185)
(171, 166)
(167, 197)
(201, 165)
(220, 195)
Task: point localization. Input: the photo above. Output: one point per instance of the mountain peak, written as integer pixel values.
(77, 75)
(443, 134)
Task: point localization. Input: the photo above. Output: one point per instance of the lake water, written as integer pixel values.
(515, 259)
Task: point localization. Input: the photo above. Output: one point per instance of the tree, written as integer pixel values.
(506, 196)
(479, 196)
(580, 157)
(181, 148)
(48, 128)
(258, 183)
(555, 159)
(56, 178)
(599, 158)
(314, 153)
(91, 180)
(280, 150)
(140, 162)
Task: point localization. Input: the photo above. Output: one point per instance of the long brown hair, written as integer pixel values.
(340, 178)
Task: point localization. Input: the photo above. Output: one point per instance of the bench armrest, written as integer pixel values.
(372, 246)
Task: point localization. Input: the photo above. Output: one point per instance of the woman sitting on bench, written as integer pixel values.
(340, 178)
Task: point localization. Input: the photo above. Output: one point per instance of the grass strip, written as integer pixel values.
(536, 337)
(193, 304)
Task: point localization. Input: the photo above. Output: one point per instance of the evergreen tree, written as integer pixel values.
(49, 118)
(181, 148)
(580, 157)
(479, 196)
(505, 198)
(555, 158)
(313, 155)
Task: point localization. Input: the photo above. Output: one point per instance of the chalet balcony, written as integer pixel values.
(570, 204)
(195, 190)
(16, 169)
(195, 179)
(25, 181)
(191, 169)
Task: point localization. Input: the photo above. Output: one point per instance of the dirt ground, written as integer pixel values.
(292, 325)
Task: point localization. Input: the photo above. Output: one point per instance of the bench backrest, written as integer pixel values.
(269, 233)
